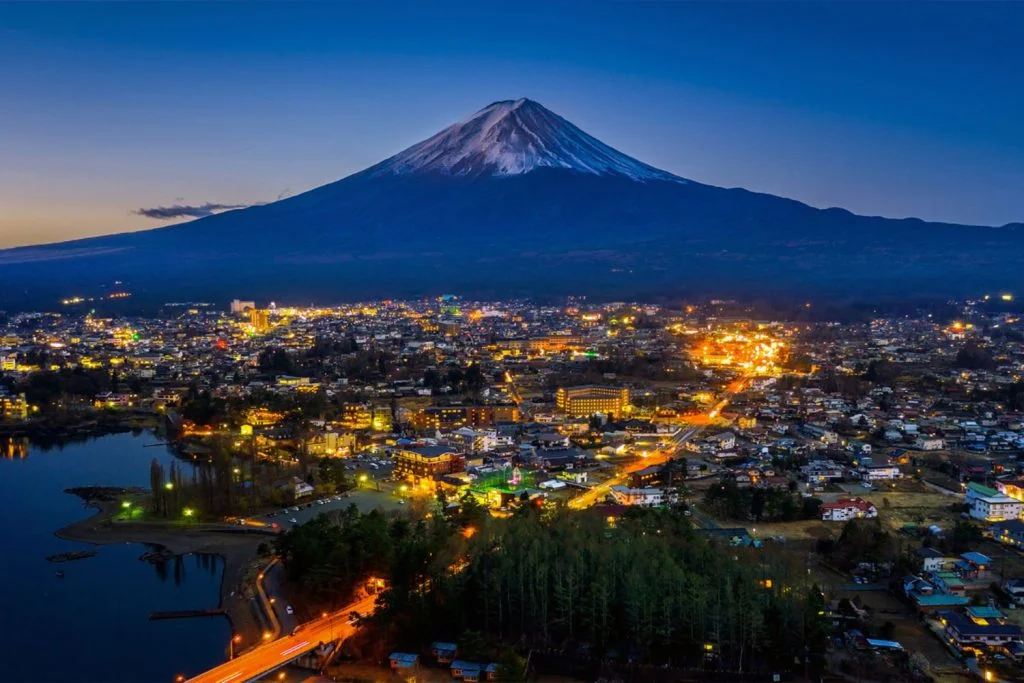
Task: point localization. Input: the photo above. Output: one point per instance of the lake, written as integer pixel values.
(93, 625)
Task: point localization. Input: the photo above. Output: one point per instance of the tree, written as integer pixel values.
(971, 356)
(276, 361)
(332, 471)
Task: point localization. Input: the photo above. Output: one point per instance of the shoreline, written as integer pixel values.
(236, 551)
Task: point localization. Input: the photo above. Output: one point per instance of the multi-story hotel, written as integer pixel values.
(593, 398)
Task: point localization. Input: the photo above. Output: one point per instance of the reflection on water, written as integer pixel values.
(14, 447)
(97, 615)
(176, 567)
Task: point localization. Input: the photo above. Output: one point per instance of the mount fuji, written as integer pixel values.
(512, 201)
(511, 138)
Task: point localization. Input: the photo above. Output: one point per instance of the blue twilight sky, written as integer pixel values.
(882, 108)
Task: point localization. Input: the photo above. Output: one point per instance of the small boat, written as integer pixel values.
(60, 574)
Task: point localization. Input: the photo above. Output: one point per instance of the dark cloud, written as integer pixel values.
(166, 213)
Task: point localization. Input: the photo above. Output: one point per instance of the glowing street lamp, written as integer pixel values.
(126, 504)
(188, 512)
(235, 640)
(169, 486)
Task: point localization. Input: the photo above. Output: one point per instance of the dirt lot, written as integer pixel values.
(909, 630)
(806, 529)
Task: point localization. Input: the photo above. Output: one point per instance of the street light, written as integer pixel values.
(188, 512)
(169, 486)
(126, 504)
(266, 635)
(235, 640)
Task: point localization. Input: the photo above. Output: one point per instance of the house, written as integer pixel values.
(985, 613)
(403, 662)
(882, 471)
(647, 477)
(444, 652)
(645, 497)
(726, 440)
(821, 471)
(1015, 589)
(964, 631)
(994, 508)
(973, 565)
(929, 443)
(937, 602)
(949, 583)
(1010, 532)
(467, 671)
(848, 508)
(491, 671)
(915, 584)
(931, 559)
(298, 488)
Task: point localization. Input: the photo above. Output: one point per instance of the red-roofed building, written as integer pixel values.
(847, 508)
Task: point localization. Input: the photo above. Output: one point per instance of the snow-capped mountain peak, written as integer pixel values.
(513, 137)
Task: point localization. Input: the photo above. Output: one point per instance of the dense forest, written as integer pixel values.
(647, 586)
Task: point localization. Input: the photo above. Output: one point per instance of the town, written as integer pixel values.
(866, 472)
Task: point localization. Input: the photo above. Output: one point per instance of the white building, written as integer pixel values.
(238, 306)
(929, 443)
(848, 508)
(997, 508)
(647, 497)
(879, 472)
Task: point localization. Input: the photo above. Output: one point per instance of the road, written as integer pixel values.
(598, 492)
(272, 655)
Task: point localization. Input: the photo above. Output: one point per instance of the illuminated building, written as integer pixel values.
(8, 362)
(381, 421)
(259, 319)
(747, 422)
(647, 477)
(262, 417)
(357, 416)
(555, 343)
(114, 400)
(427, 462)
(13, 407)
(449, 418)
(592, 398)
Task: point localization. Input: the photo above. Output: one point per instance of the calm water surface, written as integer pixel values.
(93, 624)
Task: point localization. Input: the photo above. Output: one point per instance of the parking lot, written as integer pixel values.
(374, 489)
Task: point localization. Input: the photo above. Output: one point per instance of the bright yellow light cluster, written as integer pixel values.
(756, 352)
